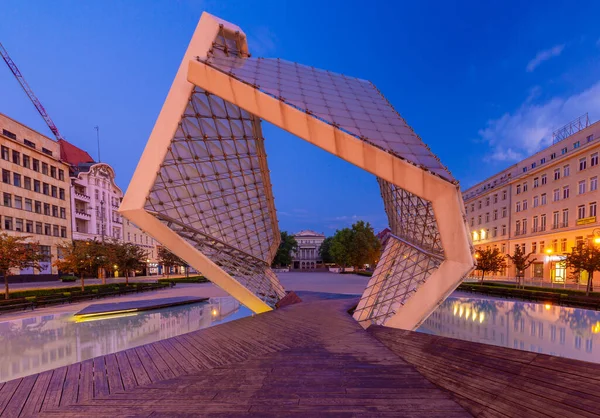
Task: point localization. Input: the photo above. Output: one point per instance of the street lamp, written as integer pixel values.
(548, 250)
(596, 233)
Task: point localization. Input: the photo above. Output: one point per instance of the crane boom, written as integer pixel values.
(38, 105)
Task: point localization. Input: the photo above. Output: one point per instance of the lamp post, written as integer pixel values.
(148, 267)
(596, 233)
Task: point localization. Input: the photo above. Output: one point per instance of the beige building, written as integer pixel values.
(35, 189)
(546, 204)
(307, 257)
(138, 237)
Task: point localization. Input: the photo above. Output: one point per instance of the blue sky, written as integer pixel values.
(483, 83)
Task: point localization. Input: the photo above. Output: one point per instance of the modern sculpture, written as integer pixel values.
(202, 186)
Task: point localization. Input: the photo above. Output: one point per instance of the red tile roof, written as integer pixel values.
(72, 154)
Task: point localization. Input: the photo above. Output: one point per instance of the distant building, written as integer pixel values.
(35, 192)
(95, 200)
(383, 236)
(138, 237)
(307, 257)
(546, 204)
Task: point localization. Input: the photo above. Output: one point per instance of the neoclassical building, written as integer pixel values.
(306, 257)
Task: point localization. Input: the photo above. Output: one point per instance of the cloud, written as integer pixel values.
(544, 55)
(262, 42)
(516, 135)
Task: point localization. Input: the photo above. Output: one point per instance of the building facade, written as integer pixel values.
(546, 204)
(36, 195)
(307, 257)
(95, 199)
(136, 236)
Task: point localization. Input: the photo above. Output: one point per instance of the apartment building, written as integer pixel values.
(135, 235)
(35, 190)
(546, 203)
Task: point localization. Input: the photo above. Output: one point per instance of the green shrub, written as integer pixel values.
(30, 298)
(191, 279)
(68, 278)
(67, 294)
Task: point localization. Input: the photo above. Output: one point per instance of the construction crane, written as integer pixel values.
(38, 105)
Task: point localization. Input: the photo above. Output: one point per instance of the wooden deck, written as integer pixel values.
(307, 359)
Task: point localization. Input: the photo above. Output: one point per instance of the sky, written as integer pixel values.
(484, 84)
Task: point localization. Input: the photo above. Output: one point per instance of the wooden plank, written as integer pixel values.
(19, 398)
(147, 362)
(127, 375)
(7, 392)
(141, 376)
(165, 370)
(173, 364)
(115, 383)
(100, 378)
(55, 389)
(36, 396)
(86, 381)
(71, 385)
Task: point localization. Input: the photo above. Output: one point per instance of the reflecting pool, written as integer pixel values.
(40, 343)
(540, 328)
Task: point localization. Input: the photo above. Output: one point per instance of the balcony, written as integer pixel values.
(81, 196)
(82, 214)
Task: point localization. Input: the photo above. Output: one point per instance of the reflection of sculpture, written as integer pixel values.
(202, 186)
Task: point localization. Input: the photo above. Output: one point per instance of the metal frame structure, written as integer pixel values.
(202, 185)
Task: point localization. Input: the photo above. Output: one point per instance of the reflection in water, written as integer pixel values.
(541, 328)
(40, 343)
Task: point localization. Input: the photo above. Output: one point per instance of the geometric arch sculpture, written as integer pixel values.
(202, 186)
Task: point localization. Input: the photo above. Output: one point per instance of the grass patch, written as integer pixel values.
(191, 279)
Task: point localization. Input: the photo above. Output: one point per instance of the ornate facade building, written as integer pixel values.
(546, 204)
(307, 257)
(35, 190)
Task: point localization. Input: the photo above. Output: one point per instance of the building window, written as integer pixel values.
(519, 189)
(504, 212)
(543, 160)
(479, 205)
(26, 161)
(47, 229)
(27, 182)
(36, 165)
(495, 232)
(503, 230)
(487, 217)
(63, 213)
(5, 153)
(544, 200)
(533, 165)
(55, 211)
(536, 182)
(504, 195)
(17, 179)
(8, 223)
(555, 220)
(580, 211)
(63, 232)
(28, 205)
(29, 227)
(593, 209)
(556, 195)
(525, 204)
(524, 226)
(37, 186)
(18, 202)
(46, 189)
(472, 224)
(496, 198)
(566, 171)
(575, 145)
(472, 207)
(565, 218)
(55, 231)
(543, 222)
(553, 156)
(45, 168)
(536, 201)
(524, 169)
(544, 179)
(16, 157)
(518, 228)
(518, 207)
(563, 245)
(534, 247)
(582, 164)
(542, 246)
(555, 245)
(38, 228)
(47, 209)
(495, 214)
(53, 172)
(5, 176)
(581, 187)
(565, 192)
(54, 191)
(593, 184)
(487, 201)
(557, 174)
(534, 228)
(7, 200)
(61, 174)
(61, 193)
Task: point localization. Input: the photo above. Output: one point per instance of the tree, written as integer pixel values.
(128, 256)
(77, 257)
(283, 257)
(585, 258)
(521, 262)
(341, 247)
(17, 253)
(325, 250)
(365, 246)
(168, 259)
(489, 260)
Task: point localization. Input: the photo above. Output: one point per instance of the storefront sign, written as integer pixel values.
(585, 221)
